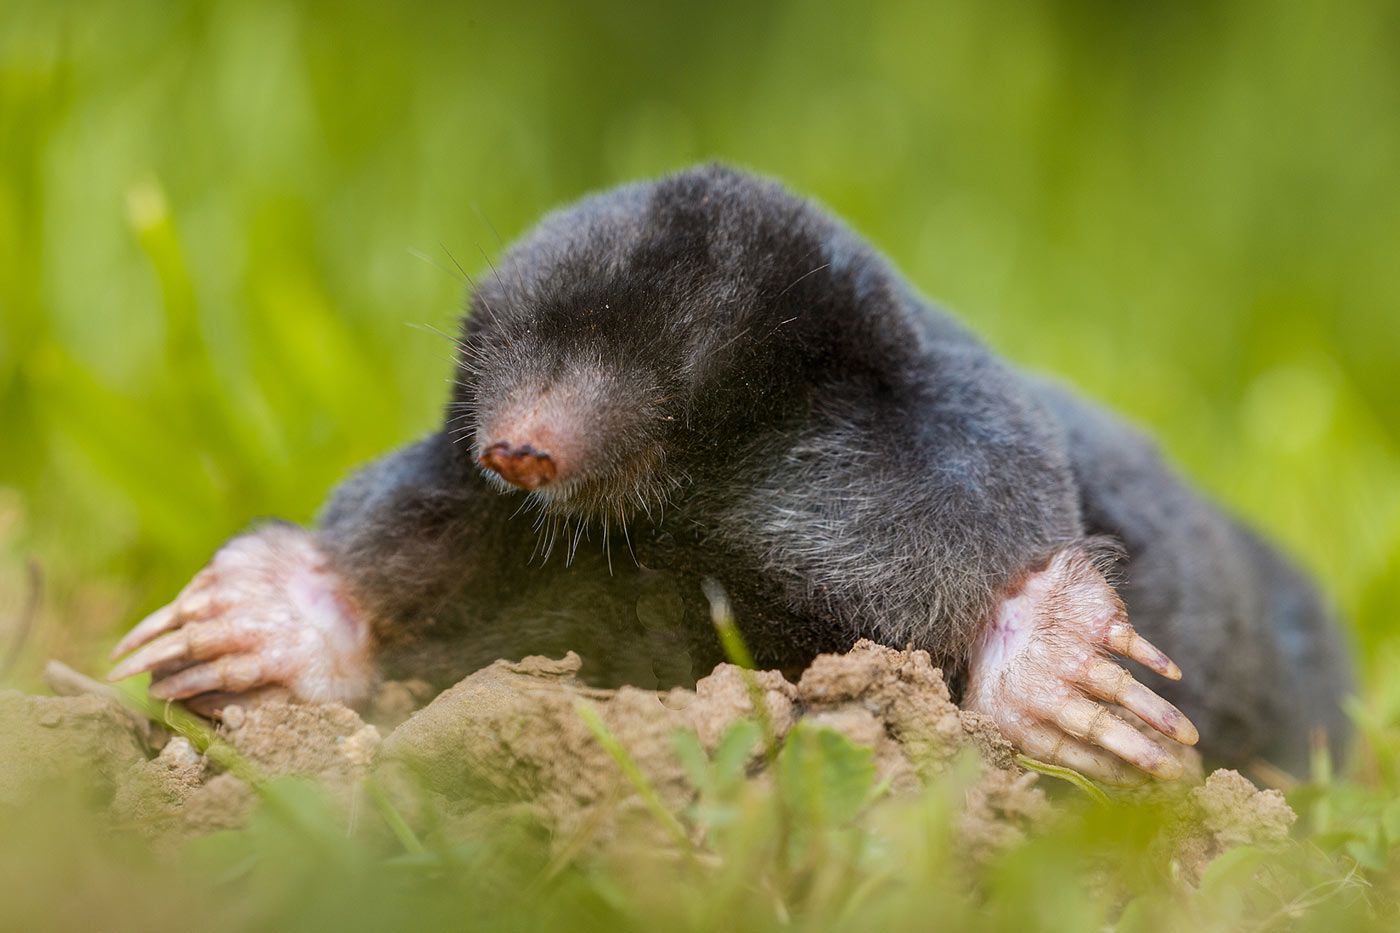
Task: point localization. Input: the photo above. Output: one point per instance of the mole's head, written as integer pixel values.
(642, 336)
(567, 405)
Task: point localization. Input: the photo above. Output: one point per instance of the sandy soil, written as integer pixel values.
(511, 736)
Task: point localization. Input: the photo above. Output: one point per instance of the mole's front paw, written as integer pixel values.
(266, 619)
(1045, 655)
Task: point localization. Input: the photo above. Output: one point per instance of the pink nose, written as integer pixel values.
(524, 466)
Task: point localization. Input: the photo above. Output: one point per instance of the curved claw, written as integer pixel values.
(162, 620)
(235, 673)
(167, 649)
(195, 641)
(1108, 681)
(194, 603)
(1122, 639)
(1093, 722)
(1051, 745)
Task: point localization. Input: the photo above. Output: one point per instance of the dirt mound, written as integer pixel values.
(514, 732)
(85, 743)
(1224, 812)
(594, 764)
(181, 793)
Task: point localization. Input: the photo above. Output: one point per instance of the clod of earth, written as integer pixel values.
(513, 735)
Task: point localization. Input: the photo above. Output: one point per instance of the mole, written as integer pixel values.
(705, 381)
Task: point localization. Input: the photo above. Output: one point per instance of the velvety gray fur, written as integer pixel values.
(784, 414)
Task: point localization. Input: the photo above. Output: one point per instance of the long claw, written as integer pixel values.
(195, 602)
(231, 673)
(193, 641)
(1053, 746)
(1108, 681)
(1093, 722)
(1123, 640)
(162, 620)
(167, 649)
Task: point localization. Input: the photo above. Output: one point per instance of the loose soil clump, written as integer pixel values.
(531, 735)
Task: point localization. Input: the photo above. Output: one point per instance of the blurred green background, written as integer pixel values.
(225, 225)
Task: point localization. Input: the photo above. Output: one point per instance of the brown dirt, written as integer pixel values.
(1224, 812)
(48, 743)
(511, 736)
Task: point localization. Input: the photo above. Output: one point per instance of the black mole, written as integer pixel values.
(706, 377)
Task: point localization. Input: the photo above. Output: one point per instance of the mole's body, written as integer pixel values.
(705, 377)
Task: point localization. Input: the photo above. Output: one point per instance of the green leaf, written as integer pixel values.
(1232, 870)
(734, 752)
(1064, 774)
(825, 778)
(1369, 851)
(1390, 823)
(1140, 916)
(229, 853)
(691, 754)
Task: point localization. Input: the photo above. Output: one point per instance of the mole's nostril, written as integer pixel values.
(520, 466)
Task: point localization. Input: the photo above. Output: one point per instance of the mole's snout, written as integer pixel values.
(523, 466)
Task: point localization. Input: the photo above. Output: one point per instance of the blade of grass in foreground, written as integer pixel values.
(594, 721)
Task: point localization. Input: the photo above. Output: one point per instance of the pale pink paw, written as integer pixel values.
(1042, 668)
(266, 619)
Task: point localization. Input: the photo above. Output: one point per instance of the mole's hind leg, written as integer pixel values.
(1042, 667)
(266, 619)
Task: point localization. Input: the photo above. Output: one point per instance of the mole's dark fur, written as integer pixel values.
(769, 404)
